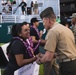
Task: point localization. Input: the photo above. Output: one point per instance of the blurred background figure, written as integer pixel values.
(67, 25)
(3, 2)
(35, 8)
(4, 11)
(32, 5)
(73, 22)
(9, 3)
(14, 2)
(58, 19)
(35, 34)
(23, 7)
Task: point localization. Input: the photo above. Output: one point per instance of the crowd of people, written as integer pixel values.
(7, 7)
(59, 45)
(33, 7)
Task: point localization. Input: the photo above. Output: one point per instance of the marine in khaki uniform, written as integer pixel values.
(60, 39)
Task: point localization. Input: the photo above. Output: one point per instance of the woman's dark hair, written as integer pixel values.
(16, 29)
(19, 27)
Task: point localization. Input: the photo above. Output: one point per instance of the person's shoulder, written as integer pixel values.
(17, 41)
(31, 28)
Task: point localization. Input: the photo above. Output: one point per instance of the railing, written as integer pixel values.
(17, 18)
(8, 18)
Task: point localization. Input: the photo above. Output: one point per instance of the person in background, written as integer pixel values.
(35, 8)
(9, 3)
(10, 10)
(19, 52)
(60, 39)
(0, 16)
(3, 2)
(14, 2)
(4, 11)
(73, 22)
(66, 25)
(58, 19)
(23, 7)
(35, 34)
(32, 5)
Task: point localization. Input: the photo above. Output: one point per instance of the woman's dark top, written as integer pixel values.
(17, 47)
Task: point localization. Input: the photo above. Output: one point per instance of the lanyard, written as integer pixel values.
(26, 44)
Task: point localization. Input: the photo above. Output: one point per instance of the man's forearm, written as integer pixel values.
(48, 56)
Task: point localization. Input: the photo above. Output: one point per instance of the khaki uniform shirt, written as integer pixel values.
(60, 39)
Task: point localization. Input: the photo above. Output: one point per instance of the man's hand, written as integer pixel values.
(39, 57)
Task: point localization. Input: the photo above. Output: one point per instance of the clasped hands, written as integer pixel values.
(39, 57)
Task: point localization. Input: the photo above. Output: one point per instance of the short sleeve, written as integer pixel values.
(18, 47)
(51, 41)
(32, 32)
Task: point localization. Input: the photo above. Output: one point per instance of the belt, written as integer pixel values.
(67, 59)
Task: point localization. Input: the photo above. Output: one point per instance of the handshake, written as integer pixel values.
(39, 58)
(42, 58)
